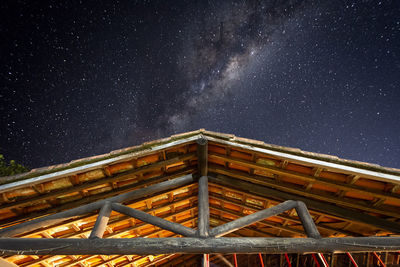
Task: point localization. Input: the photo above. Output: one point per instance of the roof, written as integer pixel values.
(345, 198)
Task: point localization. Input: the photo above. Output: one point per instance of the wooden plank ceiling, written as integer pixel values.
(242, 181)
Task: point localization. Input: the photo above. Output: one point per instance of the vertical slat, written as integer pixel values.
(332, 261)
(262, 261)
(101, 221)
(352, 259)
(287, 260)
(315, 260)
(235, 260)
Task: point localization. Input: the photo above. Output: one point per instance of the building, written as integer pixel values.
(133, 206)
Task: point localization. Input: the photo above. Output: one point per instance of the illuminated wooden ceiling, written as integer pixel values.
(345, 198)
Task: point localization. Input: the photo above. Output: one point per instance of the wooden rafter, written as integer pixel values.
(258, 189)
(308, 178)
(87, 185)
(62, 216)
(292, 189)
(97, 197)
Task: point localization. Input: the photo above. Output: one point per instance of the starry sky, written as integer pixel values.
(80, 78)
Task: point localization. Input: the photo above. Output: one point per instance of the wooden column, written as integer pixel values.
(204, 210)
(203, 224)
(101, 221)
(202, 155)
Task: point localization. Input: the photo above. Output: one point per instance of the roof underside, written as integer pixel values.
(345, 198)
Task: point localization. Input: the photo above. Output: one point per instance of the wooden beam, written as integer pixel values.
(380, 173)
(263, 223)
(202, 155)
(308, 178)
(311, 204)
(204, 209)
(101, 221)
(157, 221)
(62, 216)
(187, 245)
(96, 197)
(281, 216)
(259, 232)
(119, 219)
(10, 183)
(115, 178)
(252, 218)
(290, 188)
(306, 220)
(224, 260)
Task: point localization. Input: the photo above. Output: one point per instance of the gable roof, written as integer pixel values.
(345, 198)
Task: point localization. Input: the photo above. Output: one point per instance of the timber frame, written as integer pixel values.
(276, 195)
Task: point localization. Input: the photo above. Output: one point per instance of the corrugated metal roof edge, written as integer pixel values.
(89, 160)
(227, 137)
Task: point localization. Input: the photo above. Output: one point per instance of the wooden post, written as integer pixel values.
(252, 218)
(203, 224)
(157, 221)
(101, 221)
(75, 212)
(202, 155)
(188, 245)
(204, 210)
(306, 220)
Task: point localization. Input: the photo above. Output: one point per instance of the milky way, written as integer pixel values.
(221, 46)
(80, 79)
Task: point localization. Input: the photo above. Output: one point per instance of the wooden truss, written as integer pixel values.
(204, 240)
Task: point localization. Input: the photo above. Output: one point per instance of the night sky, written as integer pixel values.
(80, 78)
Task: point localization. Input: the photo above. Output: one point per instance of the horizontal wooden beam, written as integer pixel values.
(62, 216)
(311, 204)
(187, 245)
(157, 221)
